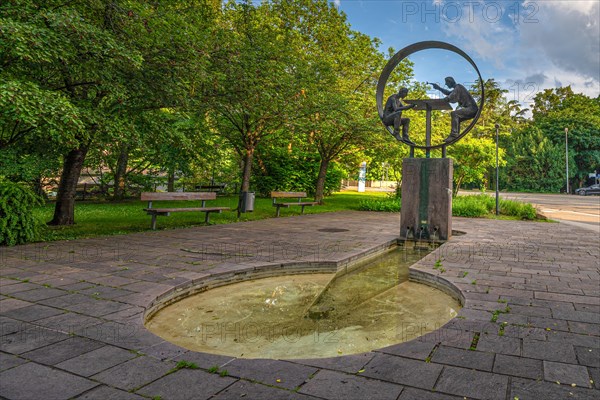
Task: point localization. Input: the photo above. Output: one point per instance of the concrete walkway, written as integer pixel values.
(71, 314)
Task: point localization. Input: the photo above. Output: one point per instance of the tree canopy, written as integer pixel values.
(181, 92)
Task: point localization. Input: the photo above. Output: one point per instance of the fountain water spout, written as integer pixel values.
(435, 236)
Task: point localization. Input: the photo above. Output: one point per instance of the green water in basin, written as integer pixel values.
(309, 316)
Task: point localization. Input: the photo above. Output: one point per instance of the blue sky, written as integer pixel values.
(526, 46)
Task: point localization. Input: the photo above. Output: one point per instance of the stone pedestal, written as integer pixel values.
(426, 211)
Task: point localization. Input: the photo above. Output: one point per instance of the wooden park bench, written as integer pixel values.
(219, 189)
(287, 195)
(87, 190)
(202, 196)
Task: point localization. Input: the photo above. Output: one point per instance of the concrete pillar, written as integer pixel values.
(426, 198)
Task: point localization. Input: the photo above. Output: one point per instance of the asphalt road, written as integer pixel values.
(583, 211)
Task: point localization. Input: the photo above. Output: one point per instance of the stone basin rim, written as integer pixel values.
(268, 270)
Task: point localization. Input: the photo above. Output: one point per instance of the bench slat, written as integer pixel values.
(189, 209)
(288, 194)
(158, 196)
(308, 203)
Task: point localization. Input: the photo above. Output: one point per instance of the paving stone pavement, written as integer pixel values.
(71, 314)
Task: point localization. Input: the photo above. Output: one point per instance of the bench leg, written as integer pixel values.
(277, 214)
(206, 217)
(153, 223)
(302, 210)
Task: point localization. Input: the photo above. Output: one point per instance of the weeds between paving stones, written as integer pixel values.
(497, 313)
(475, 341)
(214, 369)
(501, 330)
(186, 364)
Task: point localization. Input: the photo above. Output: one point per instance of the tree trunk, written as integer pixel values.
(248, 157)
(103, 184)
(457, 187)
(320, 189)
(171, 180)
(64, 211)
(119, 182)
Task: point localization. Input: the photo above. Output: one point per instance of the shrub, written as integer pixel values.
(517, 209)
(482, 205)
(386, 205)
(471, 206)
(474, 206)
(17, 224)
(277, 169)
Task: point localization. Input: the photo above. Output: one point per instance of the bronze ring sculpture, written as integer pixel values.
(407, 51)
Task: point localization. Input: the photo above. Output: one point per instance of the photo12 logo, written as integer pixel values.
(236, 332)
(457, 11)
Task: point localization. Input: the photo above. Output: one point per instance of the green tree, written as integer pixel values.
(497, 110)
(175, 39)
(548, 100)
(255, 85)
(557, 109)
(90, 67)
(472, 159)
(338, 69)
(534, 162)
(60, 58)
(335, 132)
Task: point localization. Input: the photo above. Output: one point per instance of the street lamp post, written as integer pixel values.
(497, 185)
(567, 156)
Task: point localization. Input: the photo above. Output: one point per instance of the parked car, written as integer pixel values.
(584, 191)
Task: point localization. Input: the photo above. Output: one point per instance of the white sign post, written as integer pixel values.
(362, 177)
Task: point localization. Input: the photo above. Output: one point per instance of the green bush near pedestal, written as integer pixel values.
(483, 205)
(474, 206)
(517, 209)
(391, 204)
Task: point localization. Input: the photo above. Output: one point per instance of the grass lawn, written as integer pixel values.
(114, 218)
(101, 218)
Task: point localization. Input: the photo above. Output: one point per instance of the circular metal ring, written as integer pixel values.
(407, 51)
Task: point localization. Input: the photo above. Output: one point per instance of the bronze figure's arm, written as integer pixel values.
(441, 89)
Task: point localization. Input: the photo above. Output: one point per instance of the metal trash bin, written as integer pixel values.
(247, 202)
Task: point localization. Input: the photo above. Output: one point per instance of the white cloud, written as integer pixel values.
(523, 87)
(478, 30)
(567, 35)
(544, 43)
(583, 6)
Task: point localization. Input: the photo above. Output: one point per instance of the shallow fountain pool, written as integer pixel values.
(311, 315)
